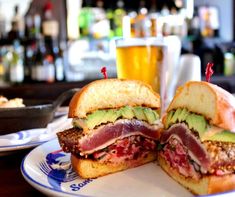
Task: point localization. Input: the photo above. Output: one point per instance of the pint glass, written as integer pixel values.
(142, 59)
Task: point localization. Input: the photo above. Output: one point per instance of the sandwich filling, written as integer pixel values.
(114, 140)
(195, 148)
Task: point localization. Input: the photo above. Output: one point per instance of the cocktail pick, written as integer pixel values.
(104, 72)
(209, 71)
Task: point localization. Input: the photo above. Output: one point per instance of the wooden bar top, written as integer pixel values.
(12, 182)
(50, 91)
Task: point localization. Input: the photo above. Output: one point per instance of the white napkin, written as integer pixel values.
(36, 135)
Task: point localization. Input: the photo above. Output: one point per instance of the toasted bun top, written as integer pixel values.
(209, 100)
(112, 93)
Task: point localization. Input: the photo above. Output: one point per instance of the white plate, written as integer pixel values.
(10, 148)
(5, 150)
(48, 169)
(33, 137)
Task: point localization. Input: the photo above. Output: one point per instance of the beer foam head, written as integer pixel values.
(125, 42)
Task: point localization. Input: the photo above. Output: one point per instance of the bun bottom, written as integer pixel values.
(87, 168)
(209, 184)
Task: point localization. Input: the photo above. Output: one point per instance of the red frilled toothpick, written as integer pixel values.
(104, 72)
(209, 71)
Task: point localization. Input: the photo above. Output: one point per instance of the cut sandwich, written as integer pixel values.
(116, 126)
(197, 146)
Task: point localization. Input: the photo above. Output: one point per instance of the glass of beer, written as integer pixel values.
(142, 59)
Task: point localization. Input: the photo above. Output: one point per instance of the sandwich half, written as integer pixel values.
(197, 146)
(116, 126)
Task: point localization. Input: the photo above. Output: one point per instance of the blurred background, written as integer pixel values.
(66, 42)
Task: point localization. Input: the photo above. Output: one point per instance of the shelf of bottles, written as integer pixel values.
(100, 22)
(32, 52)
(197, 27)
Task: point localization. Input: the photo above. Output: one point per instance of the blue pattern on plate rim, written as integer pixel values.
(73, 187)
(58, 170)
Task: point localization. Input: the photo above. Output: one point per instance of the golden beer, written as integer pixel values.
(141, 61)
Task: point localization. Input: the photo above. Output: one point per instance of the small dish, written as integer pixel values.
(36, 114)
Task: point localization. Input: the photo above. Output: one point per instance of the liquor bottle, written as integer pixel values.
(119, 13)
(43, 69)
(133, 21)
(50, 26)
(101, 27)
(2, 24)
(49, 68)
(50, 30)
(32, 25)
(59, 65)
(17, 23)
(16, 64)
(194, 26)
(86, 18)
(48, 50)
(31, 39)
(143, 24)
(13, 34)
(29, 52)
(154, 19)
(110, 17)
(206, 28)
(37, 73)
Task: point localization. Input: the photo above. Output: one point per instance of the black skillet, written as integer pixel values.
(36, 114)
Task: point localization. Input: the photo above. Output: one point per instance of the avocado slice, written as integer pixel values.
(176, 115)
(223, 136)
(197, 122)
(169, 117)
(114, 115)
(194, 121)
(95, 118)
(200, 124)
(150, 115)
(189, 121)
(183, 115)
(127, 112)
(156, 114)
(102, 116)
(139, 113)
(110, 116)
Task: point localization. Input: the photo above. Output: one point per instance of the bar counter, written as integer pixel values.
(50, 91)
(11, 181)
(41, 91)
